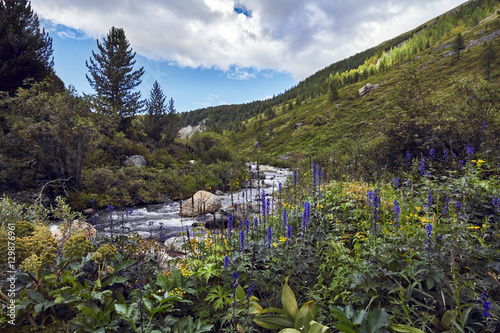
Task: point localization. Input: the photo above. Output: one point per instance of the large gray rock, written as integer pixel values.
(201, 203)
(136, 160)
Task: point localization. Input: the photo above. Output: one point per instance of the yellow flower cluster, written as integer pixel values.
(283, 239)
(178, 292)
(185, 269)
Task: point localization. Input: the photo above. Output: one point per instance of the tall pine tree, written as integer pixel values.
(25, 50)
(156, 108)
(113, 78)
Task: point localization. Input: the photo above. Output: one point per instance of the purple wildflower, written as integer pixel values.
(288, 233)
(251, 288)
(226, 262)
(256, 222)
(285, 218)
(428, 229)
(306, 214)
(486, 305)
(314, 173)
(269, 236)
(395, 183)
(431, 153)
(230, 224)
(397, 211)
(110, 208)
(408, 158)
(294, 180)
(446, 205)
(470, 151)
(247, 225)
(445, 155)
(375, 206)
(422, 166)
(242, 239)
(429, 198)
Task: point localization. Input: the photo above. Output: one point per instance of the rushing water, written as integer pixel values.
(163, 220)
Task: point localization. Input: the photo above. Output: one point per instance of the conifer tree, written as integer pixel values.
(173, 121)
(459, 44)
(156, 112)
(25, 49)
(489, 57)
(113, 78)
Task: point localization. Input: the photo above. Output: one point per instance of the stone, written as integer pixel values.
(75, 227)
(201, 203)
(136, 160)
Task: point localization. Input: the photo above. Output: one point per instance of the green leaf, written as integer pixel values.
(35, 295)
(315, 327)
(114, 279)
(305, 315)
(429, 282)
(274, 322)
(38, 307)
(162, 281)
(374, 321)
(124, 264)
(406, 329)
(240, 293)
(290, 306)
(289, 330)
(123, 309)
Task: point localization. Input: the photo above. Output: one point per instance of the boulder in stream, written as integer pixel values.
(201, 203)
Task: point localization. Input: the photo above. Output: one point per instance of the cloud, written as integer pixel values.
(293, 36)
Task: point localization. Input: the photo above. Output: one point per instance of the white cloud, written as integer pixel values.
(242, 37)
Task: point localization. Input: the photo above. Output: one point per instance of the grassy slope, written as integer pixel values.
(327, 127)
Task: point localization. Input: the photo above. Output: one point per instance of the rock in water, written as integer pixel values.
(201, 203)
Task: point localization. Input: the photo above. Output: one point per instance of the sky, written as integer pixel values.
(214, 52)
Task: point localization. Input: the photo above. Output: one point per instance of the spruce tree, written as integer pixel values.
(459, 44)
(173, 122)
(25, 50)
(113, 78)
(156, 113)
(489, 57)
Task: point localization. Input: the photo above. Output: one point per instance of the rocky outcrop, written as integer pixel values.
(201, 203)
(136, 160)
(188, 131)
(366, 89)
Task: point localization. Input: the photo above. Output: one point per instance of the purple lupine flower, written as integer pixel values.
(469, 149)
(288, 234)
(235, 285)
(397, 211)
(320, 174)
(429, 198)
(247, 225)
(294, 180)
(408, 183)
(256, 223)
(256, 144)
(395, 182)
(486, 305)
(242, 239)
(408, 158)
(263, 203)
(251, 288)
(428, 229)
(431, 154)
(460, 163)
(110, 208)
(496, 202)
(370, 198)
(230, 224)
(268, 206)
(226, 262)
(129, 212)
(285, 218)
(458, 208)
(445, 155)
(269, 236)
(280, 187)
(422, 166)
(439, 237)
(92, 201)
(306, 214)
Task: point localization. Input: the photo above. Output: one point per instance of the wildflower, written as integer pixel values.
(496, 202)
(288, 233)
(422, 166)
(439, 237)
(445, 155)
(256, 222)
(397, 211)
(395, 183)
(429, 235)
(263, 203)
(275, 244)
(469, 150)
(230, 224)
(486, 305)
(268, 206)
(431, 154)
(226, 262)
(269, 236)
(294, 179)
(242, 240)
(129, 212)
(247, 225)
(460, 163)
(110, 208)
(251, 288)
(408, 158)
(235, 285)
(306, 214)
(320, 174)
(280, 187)
(256, 144)
(92, 201)
(458, 207)
(285, 218)
(429, 198)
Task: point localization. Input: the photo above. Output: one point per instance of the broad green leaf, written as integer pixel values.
(406, 329)
(38, 307)
(290, 306)
(35, 295)
(255, 308)
(274, 322)
(289, 330)
(124, 264)
(114, 279)
(122, 309)
(374, 321)
(305, 315)
(162, 281)
(240, 293)
(315, 327)
(344, 327)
